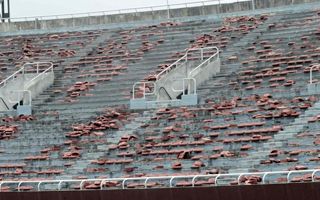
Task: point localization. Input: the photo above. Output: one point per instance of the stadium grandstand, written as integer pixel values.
(211, 101)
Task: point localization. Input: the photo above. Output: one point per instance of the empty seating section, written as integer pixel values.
(278, 60)
(109, 70)
(213, 137)
(17, 50)
(81, 127)
(230, 30)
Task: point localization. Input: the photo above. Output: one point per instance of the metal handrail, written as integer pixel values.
(181, 61)
(119, 11)
(185, 58)
(175, 64)
(311, 70)
(144, 88)
(165, 90)
(22, 70)
(4, 103)
(184, 86)
(50, 68)
(206, 61)
(170, 179)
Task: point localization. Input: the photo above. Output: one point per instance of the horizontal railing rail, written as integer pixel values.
(180, 62)
(186, 85)
(123, 11)
(23, 70)
(144, 84)
(207, 61)
(185, 58)
(41, 75)
(201, 54)
(122, 182)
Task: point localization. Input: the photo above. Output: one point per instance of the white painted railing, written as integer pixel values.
(24, 69)
(180, 62)
(125, 11)
(311, 71)
(193, 54)
(189, 85)
(144, 85)
(215, 56)
(170, 180)
(186, 57)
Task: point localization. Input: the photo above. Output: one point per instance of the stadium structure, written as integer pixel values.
(210, 101)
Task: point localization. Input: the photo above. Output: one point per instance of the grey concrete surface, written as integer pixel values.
(149, 16)
(24, 82)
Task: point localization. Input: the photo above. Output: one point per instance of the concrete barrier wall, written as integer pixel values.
(36, 87)
(40, 84)
(174, 79)
(260, 4)
(146, 16)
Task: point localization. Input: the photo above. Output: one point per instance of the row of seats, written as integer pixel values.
(257, 95)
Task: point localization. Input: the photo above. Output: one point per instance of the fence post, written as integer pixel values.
(168, 10)
(202, 9)
(253, 5)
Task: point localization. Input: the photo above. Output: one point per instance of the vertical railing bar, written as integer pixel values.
(40, 182)
(144, 90)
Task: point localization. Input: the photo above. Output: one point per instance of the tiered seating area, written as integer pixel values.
(17, 50)
(82, 128)
(276, 59)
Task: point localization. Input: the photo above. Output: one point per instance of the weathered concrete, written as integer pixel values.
(205, 72)
(171, 85)
(24, 82)
(156, 15)
(314, 89)
(168, 85)
(40, 84)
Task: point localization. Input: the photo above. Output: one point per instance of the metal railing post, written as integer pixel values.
(39, 184)
(203, 8)
(170, 182)
(253, 5)
(19, 186)
(201, 54)
(133, 91)
(59, 185)
(144, 90)
(123, 183)
(311, 70)
(168, 10)
(310, 76)
(313, 174)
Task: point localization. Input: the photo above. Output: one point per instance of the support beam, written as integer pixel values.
(5, 13)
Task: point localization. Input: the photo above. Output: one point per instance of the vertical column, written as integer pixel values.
(2, 10)
(5, 13)
(168, 10)
(253, 5)
(8, 4)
